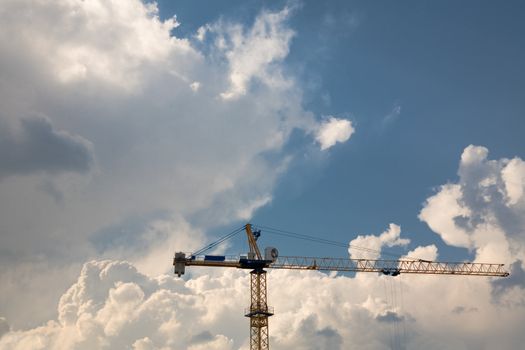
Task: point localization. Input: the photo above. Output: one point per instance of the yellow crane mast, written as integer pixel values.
(259, 311)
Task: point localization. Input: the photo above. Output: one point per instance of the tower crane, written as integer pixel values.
(259, 311)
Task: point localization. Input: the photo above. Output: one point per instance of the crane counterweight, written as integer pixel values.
(179, 262)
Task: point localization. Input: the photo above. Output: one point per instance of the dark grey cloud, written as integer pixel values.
(39, 147)
(50, 188)
(4, 326)
(315, 338)
(202, 337)
(390, 317)
(516, 279)
(462, 309)
(128, 233)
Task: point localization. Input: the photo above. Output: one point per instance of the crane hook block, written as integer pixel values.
(391, 271)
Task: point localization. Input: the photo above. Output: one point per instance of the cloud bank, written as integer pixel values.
(114, 305)
(121, 139)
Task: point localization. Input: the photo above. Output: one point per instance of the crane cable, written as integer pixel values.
(219, 241)
(403, 318)
(396, 335)
(398, 331)
(296, 235)
(291, 234)
(395, 307)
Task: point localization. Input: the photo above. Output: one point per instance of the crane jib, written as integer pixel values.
(387, 267)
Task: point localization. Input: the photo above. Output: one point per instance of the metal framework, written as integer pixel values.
(259, 311)
(389, 267)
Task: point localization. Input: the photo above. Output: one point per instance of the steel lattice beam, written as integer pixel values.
(258, 312)
(389, 266)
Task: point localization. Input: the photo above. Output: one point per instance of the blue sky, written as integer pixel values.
(130, 130)
(420, 80)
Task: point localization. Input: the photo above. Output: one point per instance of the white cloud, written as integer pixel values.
(114, 76)
(256, 53)
(440, 211)
(373, 244)
(429, 252)
(201, 33)
(112, 305)
(247, 211)
(513, 176)
(484, 210)
(195, 86)
(333, 130)
(161, 239)
(111, 41)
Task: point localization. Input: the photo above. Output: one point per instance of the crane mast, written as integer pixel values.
(259, 311)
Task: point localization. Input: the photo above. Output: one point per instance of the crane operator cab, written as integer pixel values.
(251, 261)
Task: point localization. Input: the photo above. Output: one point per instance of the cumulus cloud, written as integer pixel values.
(35, 145)
(484, 212)
(513, 176)
(333, 130)
(373, 244)
(134, 38)
(484, 209)
(515, 281)
(112, 305)
(429, 252)
(255, 54)
(180, 128)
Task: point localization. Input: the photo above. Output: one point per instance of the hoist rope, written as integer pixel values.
(400, 281)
